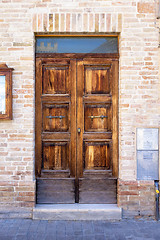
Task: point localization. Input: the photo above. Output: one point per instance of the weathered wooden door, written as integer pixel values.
(76, 130)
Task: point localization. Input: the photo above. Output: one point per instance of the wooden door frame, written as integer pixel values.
(110, 56)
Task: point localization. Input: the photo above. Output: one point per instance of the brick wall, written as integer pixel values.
(134, 21)
(137, 198)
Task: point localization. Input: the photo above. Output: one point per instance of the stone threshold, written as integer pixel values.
(15, 212)
(77, 212)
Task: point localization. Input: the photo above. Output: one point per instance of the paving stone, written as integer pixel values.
(50, 237)
(78, 232)
(69, 232)
(88, 231)
(120, 236)
(29, 229)
(77, 238)
(21, 237)
(89, 237)
(60, 237)
(31, 235)
(7, 238)
(12, 230)
(42, 226)
(110, 237)
(34, 225)
(100, 237)
(142, 238)
(98, 229)
(21, 231)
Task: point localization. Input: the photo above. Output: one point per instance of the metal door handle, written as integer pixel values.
(102, 116)
(50, 117)
(78, 130)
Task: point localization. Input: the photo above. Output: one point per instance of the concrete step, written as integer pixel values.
(77, 212)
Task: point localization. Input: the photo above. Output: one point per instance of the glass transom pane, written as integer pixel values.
(76, 45)
(2, 95)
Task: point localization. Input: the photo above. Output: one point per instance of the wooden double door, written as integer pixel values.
(76, 129)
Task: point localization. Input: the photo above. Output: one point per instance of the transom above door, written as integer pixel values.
(76, 129)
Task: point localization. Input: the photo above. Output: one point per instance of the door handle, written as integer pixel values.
(50, 117)
(78, 130)
(102, 116)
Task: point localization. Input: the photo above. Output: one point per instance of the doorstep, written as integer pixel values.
(77, 212)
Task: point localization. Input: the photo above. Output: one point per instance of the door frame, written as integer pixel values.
(113, 57)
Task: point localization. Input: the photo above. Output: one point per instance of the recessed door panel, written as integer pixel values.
(97, 118)
(97, 156)
(97, 190)
(56, 117)
(55, 190)
(56, 79)
(97, 79)
(55, 156)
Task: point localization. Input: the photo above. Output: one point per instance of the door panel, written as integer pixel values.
(97, 190)
(97, 156)
(55, 117)
(93, 79)
(55, 156)
(76, 130)
(56, 79)
(96, 78)
(97, 118)
(55, 159)
(55, 190)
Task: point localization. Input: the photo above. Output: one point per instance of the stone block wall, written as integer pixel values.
(135, 21)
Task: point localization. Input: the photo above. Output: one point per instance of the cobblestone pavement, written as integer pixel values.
(27, 229)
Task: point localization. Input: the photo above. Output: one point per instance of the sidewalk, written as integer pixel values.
(28, 229)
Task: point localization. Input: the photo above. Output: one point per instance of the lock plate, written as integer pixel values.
(78, 130)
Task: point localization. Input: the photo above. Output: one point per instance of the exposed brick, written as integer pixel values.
(128, 193)
(45, 23)
(34, 22)
(62, 28)
(102, 22)
(144, 7)
(50, 22)
(91, 23)
(79, 22)
(139, 200)
(119, 22)
(85, 22)
(68, 22)
(39, 22)
(56, 22)
(97, 23)
(74, 22)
